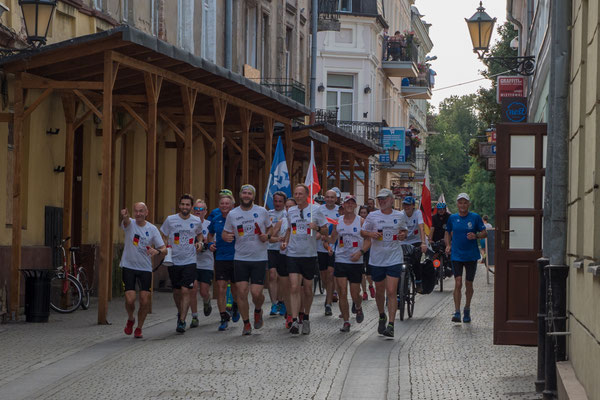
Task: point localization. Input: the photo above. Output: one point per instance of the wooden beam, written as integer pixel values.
(289, 151)
(152, 95)
(70, 109)
(301, 134)
(6, 117)
(338, 167)
(233, 144)
(189, 97)
(123, 131)
(348, 150)
(352, 162)
(220, 107)
(37, 102)
(366, 181)
(324, 162)
(82, 119)
(302, 148)
(258, 150)
(90, 105)
(130, 98)
(268, 127)
(138, 118)
(31, 81)
(245, 120)
(106, 198)
(173, 126)
(202, 88)
(205, 134)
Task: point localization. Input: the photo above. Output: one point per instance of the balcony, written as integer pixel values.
(328, 16)
(368, 131)
(417, 88)
(400, 58)
(287, 87)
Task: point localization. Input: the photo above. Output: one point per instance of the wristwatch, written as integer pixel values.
(362, 252)
(269, 236)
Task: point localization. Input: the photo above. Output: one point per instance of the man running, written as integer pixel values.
(415, 236)
(277, 214)
(383, 231)
(349, 260)
(304, 222)
(462, 231)
(325, 254)
(142, 242)
(204, 268)
(251, 226)
(184, 234)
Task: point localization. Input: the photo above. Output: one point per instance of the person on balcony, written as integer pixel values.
(395, 45)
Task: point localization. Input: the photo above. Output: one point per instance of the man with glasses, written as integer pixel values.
(183, 232)
(250, 225)
(300, 243)
(204, 268)
(383, 231)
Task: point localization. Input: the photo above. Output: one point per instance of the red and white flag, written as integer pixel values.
(426, 206)
(312, 176)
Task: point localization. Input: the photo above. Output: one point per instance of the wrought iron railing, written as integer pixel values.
(421, 162)
(370, 131)
(329, 9)
(423, 80)
(399, 49)
(287, 87)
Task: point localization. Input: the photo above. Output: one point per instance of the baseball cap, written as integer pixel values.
(349, 197)
(408, 200)
(337, 191)
(385, 193)
(463, 196)
(225, 192)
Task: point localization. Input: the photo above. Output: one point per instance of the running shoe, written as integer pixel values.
(334, 298)
(360, 316)
(223, 326)
(328, 311)
(207, 308)
(180, 326)
(194, 323)
(235, 314)
(138, 333)
(306, 327)
(282, 309)
(288, 322)
(372, 291)
(345, 327)
(466, 316)
(456, 317)
(129, 327)
(381, 327)
(365, 296)
(274, 309)
(247, 329)
(353, 308)
(258, 320)
(389, 331)
(295, 328)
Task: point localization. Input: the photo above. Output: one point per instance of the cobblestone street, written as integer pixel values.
(430, 358)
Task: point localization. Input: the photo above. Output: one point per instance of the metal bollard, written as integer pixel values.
(541, 342)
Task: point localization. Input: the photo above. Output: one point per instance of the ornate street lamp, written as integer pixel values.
(481, 27)
(37, 15)
(393, 152)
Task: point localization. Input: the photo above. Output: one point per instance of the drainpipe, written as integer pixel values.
(558, 130)
(228, 33)
(514, 21)
(313, 60)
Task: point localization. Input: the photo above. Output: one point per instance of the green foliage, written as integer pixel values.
(482, 192)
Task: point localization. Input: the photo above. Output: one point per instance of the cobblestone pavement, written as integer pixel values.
(431, 358)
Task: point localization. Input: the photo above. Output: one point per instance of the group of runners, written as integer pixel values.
(249, 247)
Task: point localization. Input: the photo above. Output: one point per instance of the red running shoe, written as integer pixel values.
(365, 296)
(129, 327)
(372, 291)
(138, 333)
(288, 322)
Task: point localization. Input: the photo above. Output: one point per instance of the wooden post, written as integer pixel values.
(220, 107)
(325, 161)
(15, 274)
(352, 161)
(367, 180)
(338, 169)
(245, 120)
(189, 103)
(289, 150)
(70, 110)
(268, 128)
(106, 216)
(153, 86)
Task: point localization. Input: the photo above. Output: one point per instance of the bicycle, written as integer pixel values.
(69, 288)
(407, 288)
(440, 263)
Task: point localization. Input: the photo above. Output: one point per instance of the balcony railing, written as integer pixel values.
(397, 49)
(287, 87)
(329, 9)
(421, 162)
(370, 131)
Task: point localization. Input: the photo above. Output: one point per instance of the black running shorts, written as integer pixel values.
(353, 272)
(306, 266)
(182, 276)
(224, 270)
(250, 271)
(131, 276)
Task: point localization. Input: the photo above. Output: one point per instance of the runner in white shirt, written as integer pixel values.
(184, 234)
(305, 221)
(205, 262)
(325, 254)
(250, 225)
(276, 215)
(415, 236)
(142, 242)
(349, 260)
(383, 231)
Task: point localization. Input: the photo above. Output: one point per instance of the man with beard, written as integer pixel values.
(325, 255)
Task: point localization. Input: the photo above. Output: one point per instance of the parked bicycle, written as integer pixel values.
(407, 290)
(70, 287)
(441, 263)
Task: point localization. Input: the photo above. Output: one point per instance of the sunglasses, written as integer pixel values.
(199, 208)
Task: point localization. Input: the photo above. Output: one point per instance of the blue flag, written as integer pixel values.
(279, 178)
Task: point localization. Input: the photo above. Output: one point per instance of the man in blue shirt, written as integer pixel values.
(462, 231)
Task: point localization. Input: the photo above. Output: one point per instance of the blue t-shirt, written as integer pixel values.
(464, 249)
(225, 251)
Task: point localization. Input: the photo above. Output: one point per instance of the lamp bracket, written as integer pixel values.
(524, 66)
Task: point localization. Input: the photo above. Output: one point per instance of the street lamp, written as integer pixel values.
(481, 27)
(393, 152)
(37, 15)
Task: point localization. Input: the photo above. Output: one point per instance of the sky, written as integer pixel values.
(456, 62)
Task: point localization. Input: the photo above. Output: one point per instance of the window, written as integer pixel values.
(124, 10)
(180, 23)
(99, 4)
(251, 36)
(340, 95)
(209, 30)
(289, 33)
(264, 46)
(302, 60)
(154, 16)
(345, 5)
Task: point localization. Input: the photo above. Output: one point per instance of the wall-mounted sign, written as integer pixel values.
(393, 137)
(510, 87)
(514, 110)
(491, 163)
(400, 192)
(487, 149)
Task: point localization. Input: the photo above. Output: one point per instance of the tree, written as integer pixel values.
(482, 192)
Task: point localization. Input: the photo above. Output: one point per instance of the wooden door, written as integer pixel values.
(520, 165)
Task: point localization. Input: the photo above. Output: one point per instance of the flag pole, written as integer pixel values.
(267, 191)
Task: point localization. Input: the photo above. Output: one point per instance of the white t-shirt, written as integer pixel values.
(247, 226)
(137, 241)
(488, 226)
(387, 250)
(302, 243)
(182, 234)
(349, 241)
(412, 223)
(205, 259)
(275, 216)
(282, 232)
(331, 214)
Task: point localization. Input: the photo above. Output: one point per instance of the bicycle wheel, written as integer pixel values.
(65, 294)
(411, 294)
(402, 294)
(441, 277)
(85, 285)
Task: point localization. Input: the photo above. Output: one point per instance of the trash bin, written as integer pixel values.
(37, 294)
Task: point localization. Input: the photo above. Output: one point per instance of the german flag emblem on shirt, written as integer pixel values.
(136, 240)
(341, 244)
(176, 238)
(354, 244)
(380, 237)
(293, 229)
(191, 241)
(240, 229)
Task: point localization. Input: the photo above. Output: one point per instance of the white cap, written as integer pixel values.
(463, 196)
(383, 193)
